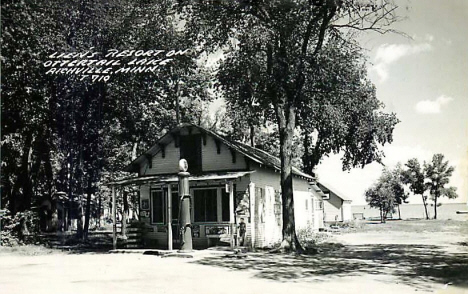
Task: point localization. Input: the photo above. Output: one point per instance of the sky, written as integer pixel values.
(423, 78)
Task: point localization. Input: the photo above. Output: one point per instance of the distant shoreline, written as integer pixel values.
(415, 211)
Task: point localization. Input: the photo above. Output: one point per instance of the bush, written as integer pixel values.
(311, 239)
(349, 225)
(21, 228)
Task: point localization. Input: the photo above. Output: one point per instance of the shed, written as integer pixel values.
(336, 206)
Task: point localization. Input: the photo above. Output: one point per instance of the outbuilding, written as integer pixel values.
(336, 206)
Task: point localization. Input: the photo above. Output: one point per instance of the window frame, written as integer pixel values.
(219, 211)
(192, 194)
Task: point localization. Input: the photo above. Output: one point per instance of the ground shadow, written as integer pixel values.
(97, 242)
(415, 265)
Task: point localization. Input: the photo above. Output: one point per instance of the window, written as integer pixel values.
(175, 204)
(157, 206)
(319, 205)
(205, 205)
(190, 150)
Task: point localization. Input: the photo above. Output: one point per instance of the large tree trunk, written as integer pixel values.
(435, 207)
(306, 156)
(252, 135)
(286, 123)
(99, 211)
(134, 154)
(23, 200)
(80, 178)
(79, 227)
(88, 206)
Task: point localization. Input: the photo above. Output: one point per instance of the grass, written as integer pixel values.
(417, 226)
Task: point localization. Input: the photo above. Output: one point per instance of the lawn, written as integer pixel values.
(417, 226)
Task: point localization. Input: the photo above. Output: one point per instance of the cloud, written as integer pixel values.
(429, 37)
(390, 53)
(432, 106)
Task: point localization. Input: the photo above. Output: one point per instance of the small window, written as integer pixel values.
(319, 204)
(157, 206)
(307, 204)
(190, 150)
(205, 205)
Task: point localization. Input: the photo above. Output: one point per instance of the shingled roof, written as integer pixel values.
(255, 154)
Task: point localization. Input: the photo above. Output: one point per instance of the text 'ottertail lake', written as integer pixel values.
(100, 66)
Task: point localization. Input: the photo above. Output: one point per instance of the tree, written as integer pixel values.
(381, 197)
(271, 49)
(413, 176)
(343, 114)
(386, 193)
(438, 173)
(397, 186)
(63, 134)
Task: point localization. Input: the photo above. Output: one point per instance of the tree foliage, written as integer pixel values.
(387, 193)
(60, 134)
(343, 114)
(273, 52)
(413, 176)
(438, 173)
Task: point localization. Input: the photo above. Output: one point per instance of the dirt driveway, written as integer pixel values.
(411, 258)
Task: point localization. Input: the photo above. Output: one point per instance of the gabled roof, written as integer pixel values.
(259, 156)
(326, 187)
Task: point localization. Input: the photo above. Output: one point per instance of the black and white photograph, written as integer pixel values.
(234, 146)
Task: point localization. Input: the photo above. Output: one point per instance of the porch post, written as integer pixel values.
(124, 215)
(232, 220)
(169, 217)
(252, 214)
(114, 224)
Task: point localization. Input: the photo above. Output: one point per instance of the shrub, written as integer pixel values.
(310, 239)
(21, 228)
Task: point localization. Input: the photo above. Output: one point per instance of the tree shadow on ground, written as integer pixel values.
(414, 265)
(70, 243)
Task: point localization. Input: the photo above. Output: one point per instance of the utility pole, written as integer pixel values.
(185, 220)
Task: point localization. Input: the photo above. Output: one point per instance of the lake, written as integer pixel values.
(415, 211)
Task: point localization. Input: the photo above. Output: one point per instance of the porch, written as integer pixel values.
(213, 208)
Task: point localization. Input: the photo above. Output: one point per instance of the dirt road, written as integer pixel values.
(369, 261)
